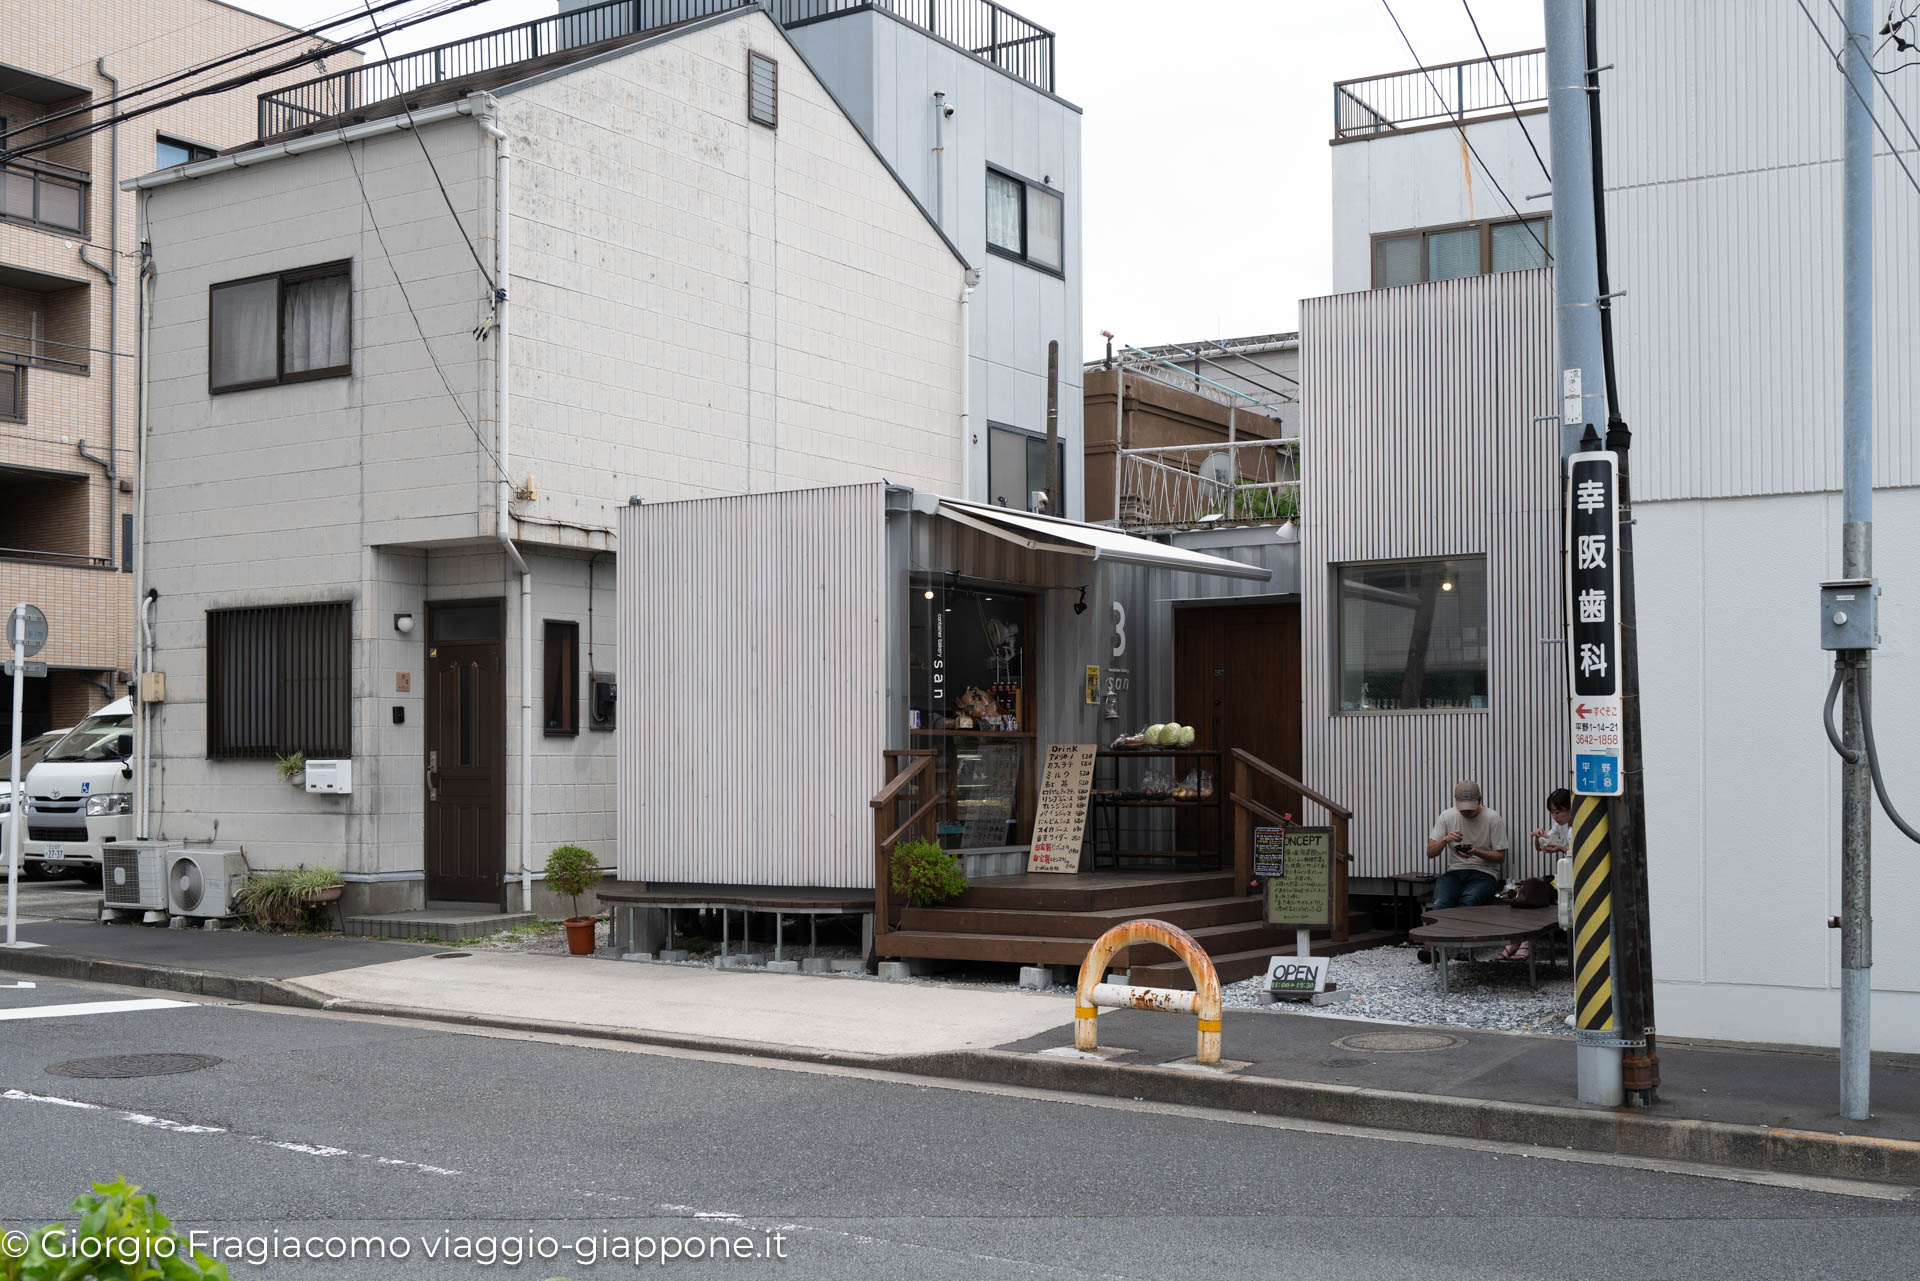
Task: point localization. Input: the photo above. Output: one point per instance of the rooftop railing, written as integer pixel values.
(1452, 93)
(980, 27)
(1234, 482)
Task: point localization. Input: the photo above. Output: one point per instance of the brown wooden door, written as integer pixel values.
(1236, 680)
(466, 740)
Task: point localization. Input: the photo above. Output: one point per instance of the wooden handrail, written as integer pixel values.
(894, 837)
(901, 781)
(900, 784)
(1286, 780)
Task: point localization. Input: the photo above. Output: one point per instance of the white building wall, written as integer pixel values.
(1428, 178)
(884, 66)
(708, 306)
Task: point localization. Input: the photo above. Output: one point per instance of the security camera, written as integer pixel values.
(947, 112)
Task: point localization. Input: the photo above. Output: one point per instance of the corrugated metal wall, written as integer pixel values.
(752, 669)
(1723, 130)
(1419, 440)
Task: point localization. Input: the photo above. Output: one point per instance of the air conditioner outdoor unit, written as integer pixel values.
(133, 878)
(202, 882)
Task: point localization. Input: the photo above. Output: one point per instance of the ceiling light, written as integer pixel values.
(929, 593)
(1447, 586)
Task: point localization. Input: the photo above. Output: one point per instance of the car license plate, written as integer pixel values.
(54, 852)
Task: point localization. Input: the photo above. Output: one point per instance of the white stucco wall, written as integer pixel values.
(1428, 178)
(1743, 790)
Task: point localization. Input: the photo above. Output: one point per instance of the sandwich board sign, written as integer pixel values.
(1060, 819)
(1302, 895)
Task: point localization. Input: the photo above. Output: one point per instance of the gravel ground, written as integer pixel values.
(1390, 984)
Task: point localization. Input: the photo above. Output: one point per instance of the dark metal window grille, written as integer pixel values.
(279, 681)
(763, 90)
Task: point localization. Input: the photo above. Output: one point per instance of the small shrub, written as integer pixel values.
(924, 875)
(126, 1231)
(572, 871)
(291, 765)
(276, 900)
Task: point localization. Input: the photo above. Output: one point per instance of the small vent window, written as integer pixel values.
(763, 90)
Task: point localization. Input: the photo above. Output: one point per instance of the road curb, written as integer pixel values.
(1616, 1132)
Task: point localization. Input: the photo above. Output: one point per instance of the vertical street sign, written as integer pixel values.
(1593, 613)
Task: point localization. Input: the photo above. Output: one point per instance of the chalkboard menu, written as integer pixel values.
(1303, 893)
(1060, 821)
(1269, 852)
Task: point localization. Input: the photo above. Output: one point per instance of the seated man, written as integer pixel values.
(1474, 839)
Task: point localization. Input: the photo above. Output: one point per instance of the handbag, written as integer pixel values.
(1535, 891)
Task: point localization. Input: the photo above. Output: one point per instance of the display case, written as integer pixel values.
(1158, 803)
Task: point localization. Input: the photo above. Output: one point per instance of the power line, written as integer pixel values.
(419, 328)
(1891, 101)
(1501, 80)
(1462, 128)
(1241, 355)
(407, 107)
(1848, 80)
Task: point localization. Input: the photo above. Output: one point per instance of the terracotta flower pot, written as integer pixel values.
(580, 935)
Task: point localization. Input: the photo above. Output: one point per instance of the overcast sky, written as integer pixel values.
(1206, 209)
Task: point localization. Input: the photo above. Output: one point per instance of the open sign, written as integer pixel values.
(1297, 975)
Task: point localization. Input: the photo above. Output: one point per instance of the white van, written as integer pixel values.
(80, 795)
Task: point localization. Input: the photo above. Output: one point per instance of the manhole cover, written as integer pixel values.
(128, 1065)
(1398, 1042)
(450, 956)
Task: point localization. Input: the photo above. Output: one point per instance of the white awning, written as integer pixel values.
(1093, 542)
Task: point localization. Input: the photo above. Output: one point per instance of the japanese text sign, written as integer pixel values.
(1593, 622)
(1060, 821)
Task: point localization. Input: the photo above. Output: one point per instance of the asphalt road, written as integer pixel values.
(316, 1126)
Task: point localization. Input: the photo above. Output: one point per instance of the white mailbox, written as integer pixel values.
(329, 776)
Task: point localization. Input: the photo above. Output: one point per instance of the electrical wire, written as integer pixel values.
(1501, 80)
(1421, 67)
(1863, 698)
(1848, 81)
(1891, 100)
(381, 239)
(406, 107)
(1241, 355)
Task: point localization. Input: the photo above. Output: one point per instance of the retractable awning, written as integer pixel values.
(1091, 542)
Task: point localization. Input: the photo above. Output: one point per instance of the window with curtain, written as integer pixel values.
(1026, 221)
(281, 328)
(1412, 635)
(1006, 205)
(1453, 254)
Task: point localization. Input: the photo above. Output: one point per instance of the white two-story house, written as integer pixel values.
(409, 354)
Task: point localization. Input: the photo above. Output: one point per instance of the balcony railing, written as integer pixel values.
(1454, 93)
(1229, 482)
(984, 29)
(45, 194)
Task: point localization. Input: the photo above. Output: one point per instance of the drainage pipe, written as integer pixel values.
(486, 116)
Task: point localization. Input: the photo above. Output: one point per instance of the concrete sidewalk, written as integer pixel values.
(1751, 1107)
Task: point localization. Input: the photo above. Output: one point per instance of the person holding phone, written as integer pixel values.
(1474, 840)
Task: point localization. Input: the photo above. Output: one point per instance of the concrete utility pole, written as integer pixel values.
(1607, 1026)
(1856, 542)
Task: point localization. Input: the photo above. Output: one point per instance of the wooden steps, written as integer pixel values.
(1052, 920)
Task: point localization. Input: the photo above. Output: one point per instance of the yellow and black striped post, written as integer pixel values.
(1592, 917)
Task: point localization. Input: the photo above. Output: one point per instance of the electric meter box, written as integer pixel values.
(330, 776)
(1849, 614)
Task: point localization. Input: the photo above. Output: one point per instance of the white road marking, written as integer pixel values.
(22, 984)
(186, 1127)
(90, 1007)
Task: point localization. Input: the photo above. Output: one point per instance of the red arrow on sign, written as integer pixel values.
(1584, 710)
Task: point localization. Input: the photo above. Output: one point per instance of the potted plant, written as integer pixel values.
(292, 767)
(573, 871)
(289, 898)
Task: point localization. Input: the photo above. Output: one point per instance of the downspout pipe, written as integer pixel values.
(487, 119)
(142, 594)
(111, 274)
(966, 378)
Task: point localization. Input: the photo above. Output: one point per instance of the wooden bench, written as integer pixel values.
(1470, 927)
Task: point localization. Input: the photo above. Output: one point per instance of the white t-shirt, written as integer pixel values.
(1484, 831)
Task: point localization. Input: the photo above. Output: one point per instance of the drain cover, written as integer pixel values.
(450, 956)
(1399, 1042)
(120, 1066)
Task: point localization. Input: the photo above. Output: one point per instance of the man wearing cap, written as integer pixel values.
(1474, 839)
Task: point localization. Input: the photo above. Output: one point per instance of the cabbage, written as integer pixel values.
(1186, 736)
(1154, 734)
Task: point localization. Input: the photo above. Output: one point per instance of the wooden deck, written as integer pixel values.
(1051, 919)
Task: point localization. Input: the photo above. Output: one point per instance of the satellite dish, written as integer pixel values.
(1218, 468)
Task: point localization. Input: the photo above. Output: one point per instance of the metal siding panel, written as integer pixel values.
(1722, 129)
(752, 720)
(1419, 440)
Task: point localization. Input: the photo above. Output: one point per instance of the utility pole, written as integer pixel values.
(1856, 542)
(1613, 1008)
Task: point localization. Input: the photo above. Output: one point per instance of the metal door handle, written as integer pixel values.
(433, 784)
